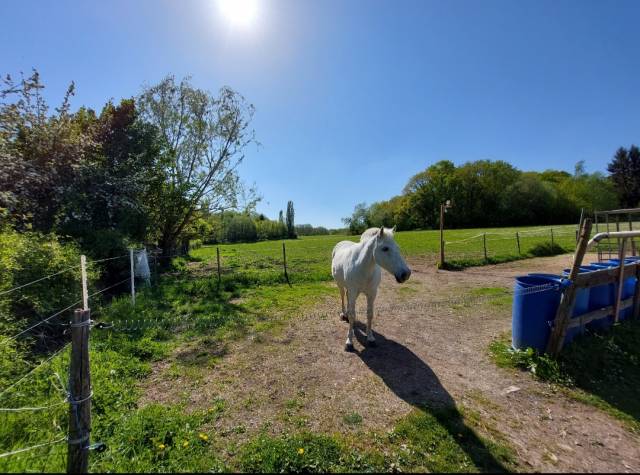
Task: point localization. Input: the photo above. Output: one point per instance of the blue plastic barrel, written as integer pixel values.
(580, 308)
(535, 303)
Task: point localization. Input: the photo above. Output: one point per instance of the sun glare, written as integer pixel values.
(240, 13)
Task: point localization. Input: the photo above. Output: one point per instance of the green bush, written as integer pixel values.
(27, 257)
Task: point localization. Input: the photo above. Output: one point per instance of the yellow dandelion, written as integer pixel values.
(300, 451)
(185, 443)
(204, 437)
(161, 446)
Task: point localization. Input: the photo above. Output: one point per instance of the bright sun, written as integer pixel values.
(239, 12)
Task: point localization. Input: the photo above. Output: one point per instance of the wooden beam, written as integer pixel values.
(622, 254)
(598, 314)
(567, 300)
(605, 276)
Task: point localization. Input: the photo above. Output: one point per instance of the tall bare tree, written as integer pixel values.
(204, 138)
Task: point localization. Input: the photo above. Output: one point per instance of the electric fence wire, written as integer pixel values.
(33, 447)
(33, 370)
(4, 292)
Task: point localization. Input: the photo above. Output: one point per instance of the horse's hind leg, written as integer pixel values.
(343, 314)
(351, 312)
(371, 341)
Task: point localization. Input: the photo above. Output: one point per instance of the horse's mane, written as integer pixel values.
(369, 233)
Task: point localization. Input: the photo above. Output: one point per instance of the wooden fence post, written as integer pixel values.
(518, 241)
(218, 259)
(83, 275)
(284, 262)
(484, 243)
(551, 237)
(133, 279)
(441, 235)
(79, 395)
(567, 300)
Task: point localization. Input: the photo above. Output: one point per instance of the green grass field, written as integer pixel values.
(309, 258)
(186, 306)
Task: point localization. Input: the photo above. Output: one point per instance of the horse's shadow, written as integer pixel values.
(412, 380)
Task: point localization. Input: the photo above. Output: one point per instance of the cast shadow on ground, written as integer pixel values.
(412, 380)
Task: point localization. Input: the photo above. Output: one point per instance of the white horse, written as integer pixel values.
(356, 269)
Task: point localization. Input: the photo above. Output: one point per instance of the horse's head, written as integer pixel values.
(387, 255)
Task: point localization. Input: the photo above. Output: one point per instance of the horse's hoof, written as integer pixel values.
(371, 343)
(343, 317)
(348, 347)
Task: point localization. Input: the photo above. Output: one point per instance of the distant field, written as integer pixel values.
(308, 258)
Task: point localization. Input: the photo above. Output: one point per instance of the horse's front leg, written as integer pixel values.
(351, 313)
(343, 314)
(371, 298)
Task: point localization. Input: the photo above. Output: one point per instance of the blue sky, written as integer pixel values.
(353, 97)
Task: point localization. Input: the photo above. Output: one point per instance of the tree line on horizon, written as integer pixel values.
(488, 193)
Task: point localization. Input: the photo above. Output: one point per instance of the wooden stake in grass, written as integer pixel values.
(79, 395)
(518, 241)
(218, 258)
(484, 243)
(284, 262)
(441, 235)
(133, 278)
(552, 238)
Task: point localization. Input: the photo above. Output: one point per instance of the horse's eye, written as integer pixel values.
(385, 249)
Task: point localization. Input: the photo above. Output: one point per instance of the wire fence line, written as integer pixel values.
(34, 447)
(33, 370)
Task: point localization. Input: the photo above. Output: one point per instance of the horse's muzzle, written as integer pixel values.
(403, 276)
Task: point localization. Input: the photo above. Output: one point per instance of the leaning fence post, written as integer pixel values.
(79, 395)
(518, 241)
(567, 300)
(284, 261)
(551, 237)
(218, 259)
(133, 279)
(484, 243)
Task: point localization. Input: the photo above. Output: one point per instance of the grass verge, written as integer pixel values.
(602, 370)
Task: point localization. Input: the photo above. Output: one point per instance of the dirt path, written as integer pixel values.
(426, 353)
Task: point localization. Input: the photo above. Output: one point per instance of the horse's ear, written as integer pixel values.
(381, 233)
(393, 230)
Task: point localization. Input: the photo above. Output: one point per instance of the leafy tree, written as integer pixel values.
(624, 171)
(291, 227)
(359, 220)
(202, 143)
(488, 193)
(40, 152)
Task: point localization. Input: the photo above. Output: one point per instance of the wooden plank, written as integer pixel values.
(604, 276)
(598, 314)
(79, 395)
(567, 300)
(623, 251)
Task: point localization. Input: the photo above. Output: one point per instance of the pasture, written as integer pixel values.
(308, 258)
(251, 374)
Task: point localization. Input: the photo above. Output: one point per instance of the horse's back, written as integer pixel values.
(341, 246)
